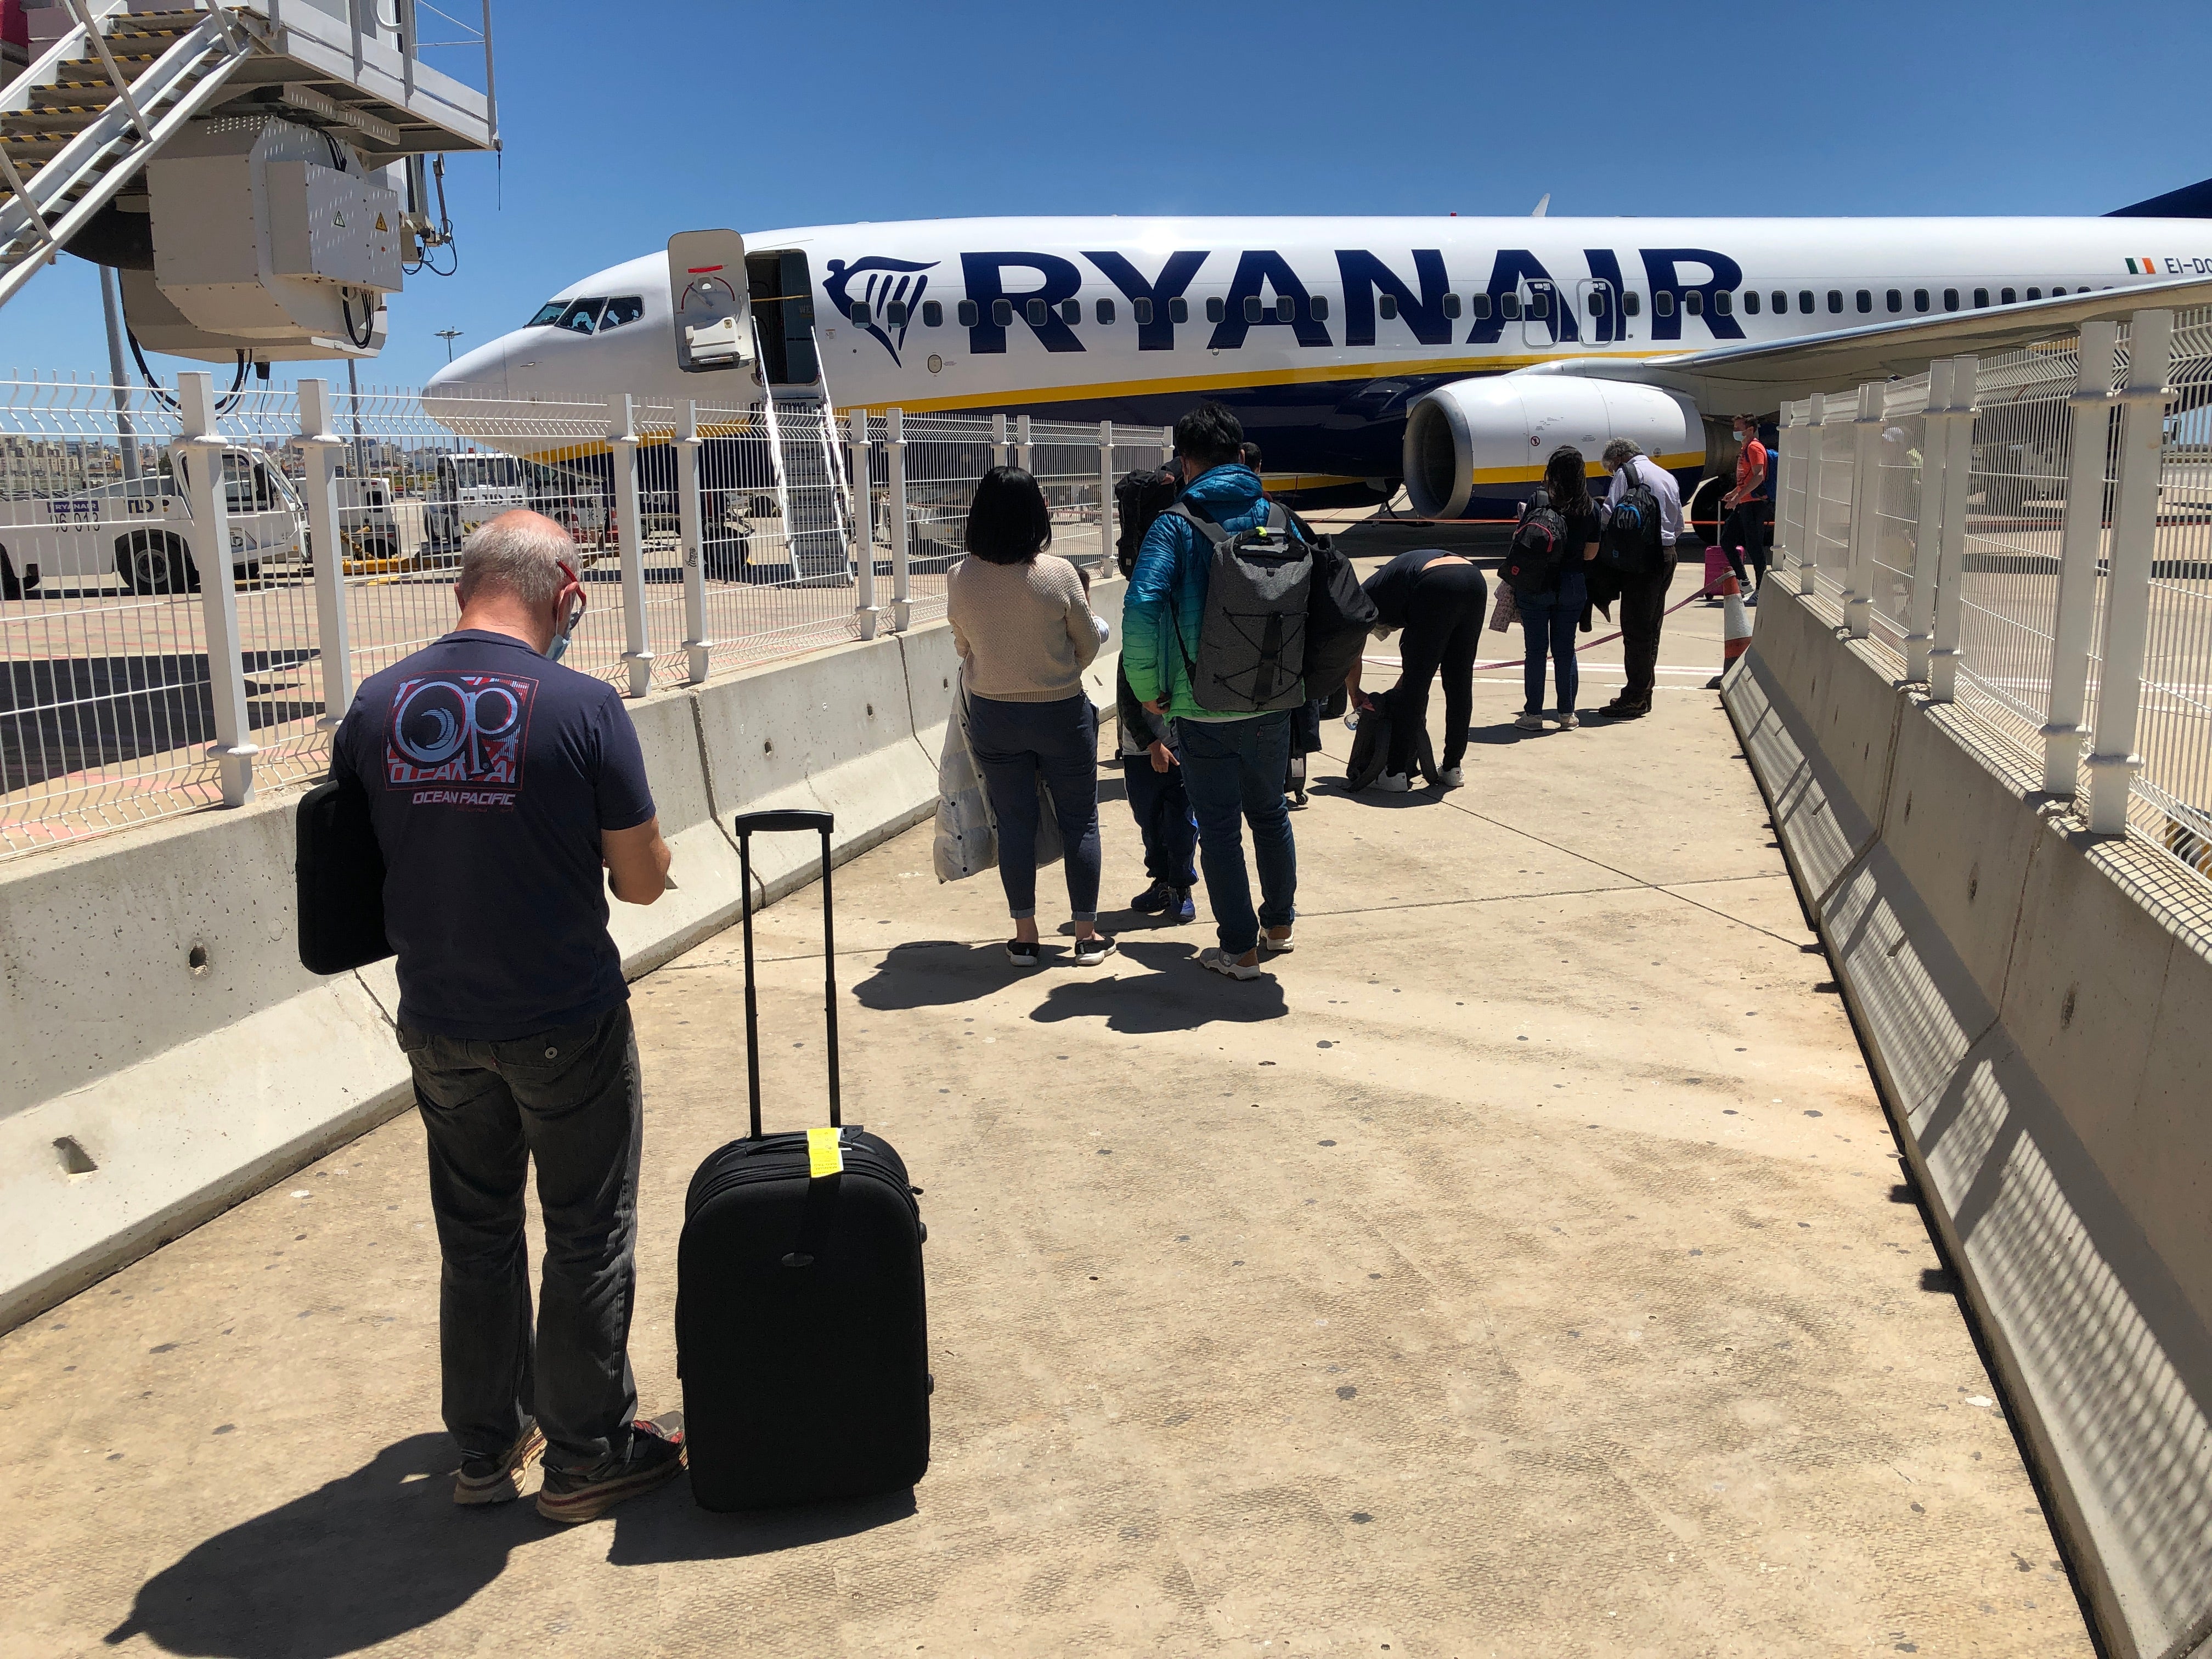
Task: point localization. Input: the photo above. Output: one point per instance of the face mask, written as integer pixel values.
(555, 651)
(558, 649)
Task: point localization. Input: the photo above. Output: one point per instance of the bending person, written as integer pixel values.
(1438, 598)
(1025, 633)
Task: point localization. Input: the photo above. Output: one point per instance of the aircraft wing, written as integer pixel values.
(1752, 380)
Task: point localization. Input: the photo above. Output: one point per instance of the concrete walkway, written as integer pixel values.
(1520, 1270)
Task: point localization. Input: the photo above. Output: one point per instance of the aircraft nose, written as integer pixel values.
(481, 373)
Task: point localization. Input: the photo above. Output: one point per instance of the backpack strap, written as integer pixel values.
(1213, 532)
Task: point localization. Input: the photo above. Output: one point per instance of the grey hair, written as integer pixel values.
(1620, 449)
(518, 553)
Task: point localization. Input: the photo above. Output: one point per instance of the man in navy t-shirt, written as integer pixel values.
(501, 785)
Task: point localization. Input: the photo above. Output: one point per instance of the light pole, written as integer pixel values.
(449, 335)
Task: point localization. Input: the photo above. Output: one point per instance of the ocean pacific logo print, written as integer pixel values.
(888, 280)
(459, 730)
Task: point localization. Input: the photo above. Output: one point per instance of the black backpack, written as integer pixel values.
(1252, 636)
(1538, 547)
(1630, 545)
(1139, 498)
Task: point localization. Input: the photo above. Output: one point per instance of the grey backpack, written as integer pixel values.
(1252, 639)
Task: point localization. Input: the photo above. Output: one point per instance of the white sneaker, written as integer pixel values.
(1395, 783)
(1217, 960)
(1571, 722)
(1450, 778)
(1531, 721)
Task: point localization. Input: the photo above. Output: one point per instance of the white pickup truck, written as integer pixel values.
(140, 530)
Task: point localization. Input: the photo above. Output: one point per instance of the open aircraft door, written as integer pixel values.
(712, 313)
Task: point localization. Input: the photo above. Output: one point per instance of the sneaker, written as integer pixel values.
(1296, 800)
(1571, 722)
(1217, 960)
(1089, 952)
(1153, 899)
(1183, 910)
(1531, 721)
(1621, 710)
(499, 1479)
(1751, 600)
(1024, 953)
(1395, 783)
(656, 1457)
(1451, 777)
(1269, 945)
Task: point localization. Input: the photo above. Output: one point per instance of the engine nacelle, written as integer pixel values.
(1491, 437)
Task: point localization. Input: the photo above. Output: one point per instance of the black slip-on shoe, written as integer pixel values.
(499, 1479)
(656, 1457)
(1024, 953)
(1089, 952)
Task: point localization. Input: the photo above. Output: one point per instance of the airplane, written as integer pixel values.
(1448, 355)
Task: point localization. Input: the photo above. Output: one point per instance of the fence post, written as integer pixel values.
(1858, 570)
(864, 526)
(320, 446)
(1000, 456)
(691, 527)
(1958, 434)
(2113, 762)
(1809, 509)
(2080, 541)
(1105, 497)
(1024, 446)
(1785, 482)
(894, 490)
(629, 534)
(234, 748)
(1927, 536)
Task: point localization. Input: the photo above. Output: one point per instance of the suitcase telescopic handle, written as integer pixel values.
(746, 825)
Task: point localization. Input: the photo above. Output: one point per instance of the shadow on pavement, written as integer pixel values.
(931, 973)
(668, 1527)
(1178, 996)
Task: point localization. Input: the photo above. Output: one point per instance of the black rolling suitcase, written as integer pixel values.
(799, 1329)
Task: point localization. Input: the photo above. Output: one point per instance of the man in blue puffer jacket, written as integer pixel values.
(1232, 763)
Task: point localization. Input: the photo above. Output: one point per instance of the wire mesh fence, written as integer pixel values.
(1828, 501)
(2171, 799)
(1900, 457)
(108, 699)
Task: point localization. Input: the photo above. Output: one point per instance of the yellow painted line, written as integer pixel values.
(1592, 469)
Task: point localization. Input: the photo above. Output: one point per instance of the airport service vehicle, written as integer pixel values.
(468, 488)
(140, 530)
(1450, 356)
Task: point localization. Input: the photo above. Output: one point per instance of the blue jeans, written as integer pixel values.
(1232, 771)
(1016, 745)
(1162, 810)
(1548, 621)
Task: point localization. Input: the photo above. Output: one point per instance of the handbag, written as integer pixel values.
(1506, 611)
(967, 842)
(338, 877)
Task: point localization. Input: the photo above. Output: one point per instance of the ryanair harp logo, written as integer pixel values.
(888, 281)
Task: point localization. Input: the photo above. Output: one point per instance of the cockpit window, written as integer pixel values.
(623, 308)
(546, 313)
(579, 315)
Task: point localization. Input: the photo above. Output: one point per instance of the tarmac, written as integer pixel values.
(1464, 1287)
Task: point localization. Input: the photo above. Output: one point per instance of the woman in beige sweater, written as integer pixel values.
(1023, 625)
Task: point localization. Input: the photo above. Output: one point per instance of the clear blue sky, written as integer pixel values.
(624, 123)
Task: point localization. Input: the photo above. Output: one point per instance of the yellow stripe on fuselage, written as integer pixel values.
(1674, 462)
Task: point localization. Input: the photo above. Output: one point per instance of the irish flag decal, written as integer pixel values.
(2143, 267)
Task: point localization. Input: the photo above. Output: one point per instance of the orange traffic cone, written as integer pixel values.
(1736, 628)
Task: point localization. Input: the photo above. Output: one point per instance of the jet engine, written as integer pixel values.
(1490, 438)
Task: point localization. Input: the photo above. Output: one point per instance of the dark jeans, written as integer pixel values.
(1305, 740)
(1444, 630)
(1746, 529)
(572, 1099)
(1017, 745)
(1643, 607)
(1161, 809)
(1233, 773)
(1547, 625)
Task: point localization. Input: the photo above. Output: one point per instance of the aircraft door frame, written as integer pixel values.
(1584, 290)
(1537, 333)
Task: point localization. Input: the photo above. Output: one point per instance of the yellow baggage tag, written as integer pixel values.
(823, 1156)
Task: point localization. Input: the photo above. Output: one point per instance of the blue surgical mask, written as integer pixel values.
(558, 648)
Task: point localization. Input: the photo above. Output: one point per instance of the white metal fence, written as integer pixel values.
(2032, 532)
(133, 686)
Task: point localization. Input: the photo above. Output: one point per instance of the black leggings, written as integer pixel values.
(1445, 632)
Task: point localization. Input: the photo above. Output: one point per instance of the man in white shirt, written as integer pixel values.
(1643, 594)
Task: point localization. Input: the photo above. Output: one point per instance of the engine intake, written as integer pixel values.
(1490, 438)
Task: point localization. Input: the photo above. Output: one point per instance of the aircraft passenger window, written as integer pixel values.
(1632, 303)
(1894, 299)
(1509, 307)
(1002, 312)
(626, 309)
(860, 313)
(1071, 311)
(2035, 294)
(2007, 297)
(1216, 309)
(1981, 298)
(1663, 302)
(1251, 307)
(1317, 307)
(1805, 301)
(1178, 310)
(1478, 304)
(1693, 304)
(1782, 301)
(1539, 304)
(1105, 310)
(933, 314)
(1920, 299)
(1835, 300)
(894, 314)
(1596, 302)
(1950, 299)
(2056, 292)
(1865, 300)
(546, 313)
(577, 315)
(1751, 301)
(1388, 305)
(1038, 312)
(1141, 310)
(1451, 305)
(1285, 309)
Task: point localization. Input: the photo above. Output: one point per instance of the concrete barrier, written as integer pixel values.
(2037, 1008)
(705, 895)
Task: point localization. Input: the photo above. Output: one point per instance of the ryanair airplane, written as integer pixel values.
(1448, 354)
